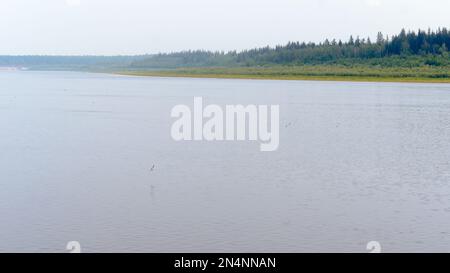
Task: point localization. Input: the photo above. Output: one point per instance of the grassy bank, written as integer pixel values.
(429, 74)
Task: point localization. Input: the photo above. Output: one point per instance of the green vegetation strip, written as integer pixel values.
(310, 72)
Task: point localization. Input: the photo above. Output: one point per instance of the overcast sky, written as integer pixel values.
(109, 27)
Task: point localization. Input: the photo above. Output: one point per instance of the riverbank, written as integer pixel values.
(424, 74)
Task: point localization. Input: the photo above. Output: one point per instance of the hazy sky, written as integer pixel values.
(151, 26)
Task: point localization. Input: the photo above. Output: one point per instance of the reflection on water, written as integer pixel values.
(89, 158)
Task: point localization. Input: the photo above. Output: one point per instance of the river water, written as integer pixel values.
(89, 158)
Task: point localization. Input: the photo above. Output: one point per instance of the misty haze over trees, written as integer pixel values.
(408, 49)
(425, 44)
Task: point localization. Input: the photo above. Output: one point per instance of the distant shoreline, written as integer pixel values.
(224, 75)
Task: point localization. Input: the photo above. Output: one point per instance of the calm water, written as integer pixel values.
(357, 162)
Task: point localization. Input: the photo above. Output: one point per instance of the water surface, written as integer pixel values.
(357, 162)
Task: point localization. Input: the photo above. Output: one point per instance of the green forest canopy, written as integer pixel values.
(407, 49)
(429, 47)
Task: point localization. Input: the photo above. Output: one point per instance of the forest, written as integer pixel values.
(406, 49)
(408, 56)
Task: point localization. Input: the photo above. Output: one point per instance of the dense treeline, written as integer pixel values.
(69, 62)
(407, 49)
(420, 48)
(197, 58)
